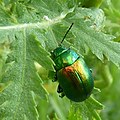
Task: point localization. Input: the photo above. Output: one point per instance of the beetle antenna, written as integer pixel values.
(66, 34)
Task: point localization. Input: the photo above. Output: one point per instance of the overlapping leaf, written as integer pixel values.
(87, 30)
(16, 99)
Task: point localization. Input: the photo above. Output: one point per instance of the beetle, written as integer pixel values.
(74, 77)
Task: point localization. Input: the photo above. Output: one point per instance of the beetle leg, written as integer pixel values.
(62, 95)
(59, 89)
(55, 78)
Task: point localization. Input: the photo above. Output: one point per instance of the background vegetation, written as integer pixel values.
(30, 30)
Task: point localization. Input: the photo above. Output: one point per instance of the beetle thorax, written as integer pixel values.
(63, 57)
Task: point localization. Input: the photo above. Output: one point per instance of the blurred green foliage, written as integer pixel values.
(29, 30)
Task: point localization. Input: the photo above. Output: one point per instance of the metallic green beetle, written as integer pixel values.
(74, 77)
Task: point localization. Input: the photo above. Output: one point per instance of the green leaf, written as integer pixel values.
(93, 3)
(85, 110)
(86, 30)
(17, 101)
(93, 106)
(33, 29)
(99, 43)
(96, 90)
(4, 85)
(94, 103)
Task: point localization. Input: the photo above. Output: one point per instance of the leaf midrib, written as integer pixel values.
(23, 63)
